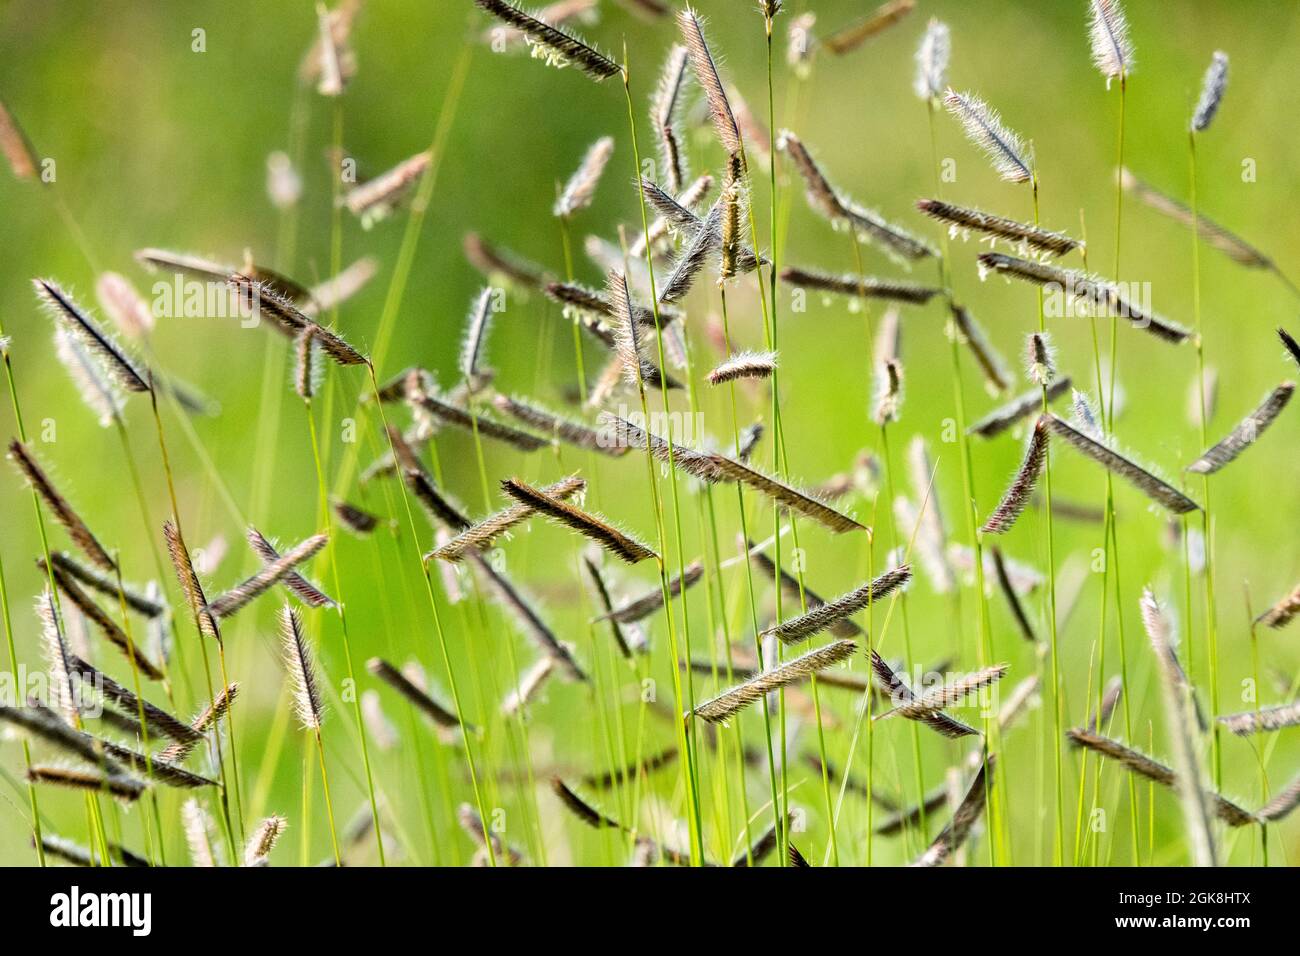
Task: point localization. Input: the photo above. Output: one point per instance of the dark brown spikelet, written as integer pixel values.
(1245, 434)
(560, 46)
(1292, 346)
(586, 524)
(265, 300)
(270, 575)
(1110, 698)
(154, 717)
(849, 38)
(355, 519)
(301, 667)
(439, 509)
(621, 776)
(77, 529)
(112, 632)
(1144, 766)
(496, 261)
(454, 415)
(694, 256)
(306, 371)
(580, 190)
(333, 345)
(1022, 486)
(663, 113)
(398, 681)
(1154, 488)
(697, 464)
(1019, 234)
(119, 367)
(1283, 612)
(839, 209)
(601, 306)
(44, 723)
(601, 591)
(118, 785)
(482, 534)
(731, 702)
(825, 615)
(155, 769)
(954, 835)
(375, 199)
(528, 618)
(642, 606)
(863, 287)
(580, 808)
(706, 74)
(796, 859)
(637, 369)
(211, 715)
(1232, 246)
(1080, 285)
(562, 429)
(899, 693)
(189, 582)
(307, 592)
(936, 699)
(760, 849)
(106, 584)
(787, 496)
(843, 627)
(1266, 719)
(1013, 599)
(996, 377)
(1019, 408)
(76, 855)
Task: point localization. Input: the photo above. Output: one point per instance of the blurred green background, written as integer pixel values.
(158, 145)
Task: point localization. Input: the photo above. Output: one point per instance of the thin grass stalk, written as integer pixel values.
(692, 792)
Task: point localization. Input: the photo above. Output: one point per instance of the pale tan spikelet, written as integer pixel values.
(1263, 720)
(124, 305)
(1231, 245)
(1283, 612)
(17, 149)
(1212, 90)
(530, 682)
(211, 715)
(1022, 486)
(1110, 698)
(862, 287)
(580, 808)
(118, 785)
(844, 627)
(301, 667)
(957, 831)
(476, 331)
(527, 617)
(562, 429)
(375, 199)
(581, 188)
(339, 288)
(744, 365)
(262, 842)
(1019, 408)
(1280, 807)
(1203, 392)
(307, 592)
(931, 530)
(984, 127)
(307, 370)
(198, 827)
(558, 47)
(1154, 488)
(335, 30)
(481, 535)
(947, 695)
(849, 38)
(58, 659)
(189, 582)
(451, 414)
(638, 370)
(283, 182)
(472, 824)
(731, 702)
(823, 616)
(1112, 50)
(497, 262)
(706, 74)
(99, 393)
(996, 377)
(932, 61)
(642, 606)
(269, 575)
(586, 524)
(1245, 434)
(1020, 235)
(1181, 726)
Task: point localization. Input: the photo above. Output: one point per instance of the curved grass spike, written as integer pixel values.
(1245, 434)
(588, 525)
(729, 703)
(862, 287)
(1154, 488)
(1021, 490)
(559, 47)
(954, 835)
(825, 615)
(95, 340)
(1009, 230)
(63, 512)
(481, 535)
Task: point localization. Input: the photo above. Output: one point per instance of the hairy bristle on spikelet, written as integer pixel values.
(1022, 486)
(1153, 487)
(558, 47)
(482, 534)
(984, 127)
(1246, 433)
(823, 616)
(301, 666)
(706, 74)
(1112, 50)
(98, 343)
(731, 702)
(586, 524)
(270, 574)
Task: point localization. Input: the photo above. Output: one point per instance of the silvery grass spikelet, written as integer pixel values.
(1212, 90)
(984, 127)
(1245, 434)
(96, 342)
(301, 666)
(1112, 50)
(744, 365)
(476, 332)
(99, 393)
(706, 74)
(1021, 236)
(580, 190)
(932, 61)
(664, 107)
